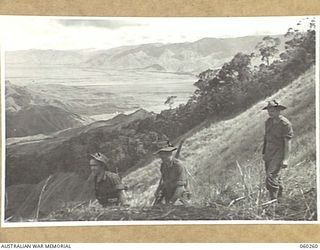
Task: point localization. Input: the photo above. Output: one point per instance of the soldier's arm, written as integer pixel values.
(287, 149)
(264, 145)
(120, 187)
(288, 134)
(264, 138)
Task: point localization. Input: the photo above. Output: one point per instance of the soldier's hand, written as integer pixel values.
(284, 164)
(177, 194)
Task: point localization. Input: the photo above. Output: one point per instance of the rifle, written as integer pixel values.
(158, 196)
(179, 149)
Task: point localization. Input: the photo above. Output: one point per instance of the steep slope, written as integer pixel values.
(211, 155)
(21, 97)
(226, 173)
(28, 114)
(40, 120)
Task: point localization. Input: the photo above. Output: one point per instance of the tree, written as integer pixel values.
(170, 100)
(268, 48)
(303, 37)
(207, 74)
(225, 90)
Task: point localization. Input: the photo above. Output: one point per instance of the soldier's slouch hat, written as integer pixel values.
(274, 104)
(165, 146)
(100, 158)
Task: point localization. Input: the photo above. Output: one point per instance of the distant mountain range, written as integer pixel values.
(192, 57)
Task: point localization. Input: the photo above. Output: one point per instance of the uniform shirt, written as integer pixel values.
(108, 187)
(276, 130)
(173, 175)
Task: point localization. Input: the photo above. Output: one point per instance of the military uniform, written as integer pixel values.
(108, 188)
(276, 130)
(174, 181)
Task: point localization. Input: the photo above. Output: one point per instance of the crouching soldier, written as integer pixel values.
(173, 183)
(109, 189)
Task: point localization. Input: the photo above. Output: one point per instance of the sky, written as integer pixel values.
(63, 33)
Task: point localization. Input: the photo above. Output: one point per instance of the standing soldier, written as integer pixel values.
(108, 186)
(276, 148)
(173, 182)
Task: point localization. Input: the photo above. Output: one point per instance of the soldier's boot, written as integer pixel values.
(273, 194)
(158, 200)
(280, 197)
(280, 191)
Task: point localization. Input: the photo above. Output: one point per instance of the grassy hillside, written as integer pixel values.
(226, 172)
(211, 156)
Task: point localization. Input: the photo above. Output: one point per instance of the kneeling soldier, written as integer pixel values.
(173, 182)
(108, 186)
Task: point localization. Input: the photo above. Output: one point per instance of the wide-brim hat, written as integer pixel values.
(166, 149)
(100, 158)
(165, 146)
(274, 104)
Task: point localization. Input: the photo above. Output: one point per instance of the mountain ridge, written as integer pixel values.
(175, 57)
(28, 113)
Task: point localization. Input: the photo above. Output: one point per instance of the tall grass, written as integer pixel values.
(224, 160)
(40, 197)
(226, 170)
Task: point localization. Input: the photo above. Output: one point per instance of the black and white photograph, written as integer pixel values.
(132, 120)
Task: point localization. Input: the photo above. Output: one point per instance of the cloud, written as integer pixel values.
(107, 24)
